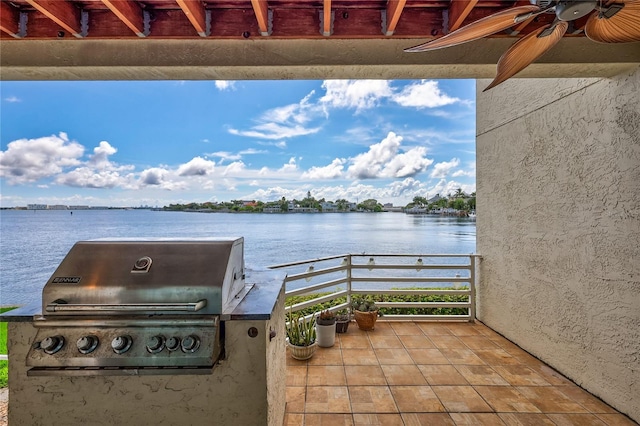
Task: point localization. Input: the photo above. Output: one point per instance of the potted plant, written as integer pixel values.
(326, 329)
(342, 321)
(365, 312)
(301, 336)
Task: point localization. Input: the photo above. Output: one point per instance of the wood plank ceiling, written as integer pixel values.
(244, 19)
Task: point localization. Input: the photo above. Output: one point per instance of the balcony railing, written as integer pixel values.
(336, 279)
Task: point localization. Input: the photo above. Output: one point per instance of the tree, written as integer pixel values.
(459, 193)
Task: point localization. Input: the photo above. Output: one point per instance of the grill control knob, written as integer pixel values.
(53, 344)
(121, 344)
(155, 344)
(190, 343)
(172, 343)
(87, 344)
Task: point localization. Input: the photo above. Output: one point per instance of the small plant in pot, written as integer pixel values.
(342, 321)
(365, 312)
(301, 336)
(326, 329)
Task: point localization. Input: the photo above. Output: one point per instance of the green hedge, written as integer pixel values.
(293, 300)
(4, 365)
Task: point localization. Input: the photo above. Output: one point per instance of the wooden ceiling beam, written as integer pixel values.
(9, 20)
(195, 11)
(128, 12)
(62, 13)
(394, 10)
(261, 9)
(458, 12)
(327, 20)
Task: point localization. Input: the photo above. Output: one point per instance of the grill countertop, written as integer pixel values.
(258, 304)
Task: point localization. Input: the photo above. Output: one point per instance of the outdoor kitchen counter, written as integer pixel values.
(258, 304)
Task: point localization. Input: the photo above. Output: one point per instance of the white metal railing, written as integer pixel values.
(380, 275)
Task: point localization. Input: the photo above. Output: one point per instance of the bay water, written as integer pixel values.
(33, 243)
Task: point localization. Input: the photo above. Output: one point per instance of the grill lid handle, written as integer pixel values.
(61, 306)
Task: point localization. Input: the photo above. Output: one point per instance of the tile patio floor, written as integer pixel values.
(406, 373)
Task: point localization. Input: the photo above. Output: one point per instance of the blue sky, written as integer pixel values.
(160, 142)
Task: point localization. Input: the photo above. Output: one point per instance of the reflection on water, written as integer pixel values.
(33, 243)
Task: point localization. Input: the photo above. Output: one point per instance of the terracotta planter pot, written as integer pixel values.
(302, 352)
(366, 320)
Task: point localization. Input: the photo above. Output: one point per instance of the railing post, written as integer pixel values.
(472, 288)
(349, 280)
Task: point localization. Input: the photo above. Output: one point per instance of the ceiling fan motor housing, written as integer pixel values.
(544, 4)
(570, 10)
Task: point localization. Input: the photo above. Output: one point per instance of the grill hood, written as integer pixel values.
(147, 276)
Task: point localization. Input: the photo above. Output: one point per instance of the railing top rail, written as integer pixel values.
(352, 255)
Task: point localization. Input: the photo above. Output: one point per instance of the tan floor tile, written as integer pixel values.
(588, 401)
(411, 341)
(326, 375)
(427, 419)
(481, 375)
(365, 375)
(393, 356)
(549, 399)
(576, 420)
(416, 399)
(327, 356)
(382, 327)
(495, 356)
(476, 419)
(327, 399)
(353, 341)
(478, 342)
(525, 419)
(551, 375)
(295, 396)
(327, 420)
(359, 357)
(427, 356)
(378, 419)
(461, 399)
(447, 342)
(462, 356)
(372, 399)
(385, 341)
(616, 420)
(506, 399)
(463, 329)
(406, 328)
(520, 375)
(293, 419)
(297, 375)
(433, 329)
(403, 375)
(442, 375)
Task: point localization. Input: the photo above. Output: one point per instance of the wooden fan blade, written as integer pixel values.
(623, 27)
(525, 51)
(481, 28)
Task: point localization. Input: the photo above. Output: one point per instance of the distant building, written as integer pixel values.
(36, 207)
(78, 207)
(58, 207)
(328, 207)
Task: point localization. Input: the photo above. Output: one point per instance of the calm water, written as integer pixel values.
(33, 243)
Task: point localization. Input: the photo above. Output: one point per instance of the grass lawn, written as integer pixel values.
(4, 365)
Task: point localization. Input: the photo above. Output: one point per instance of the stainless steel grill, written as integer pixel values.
(132, 307)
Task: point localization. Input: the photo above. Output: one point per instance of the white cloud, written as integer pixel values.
(425, 94)
(284, 122)
(443, 169)
(291, 166)
(12, 99)
(470, 172)
(444, 187)
(198, 166)
(385, 159)
(332, 171)
(237, 168)
(154, 176)
(28, 160)
(355, 94)
(225, 85)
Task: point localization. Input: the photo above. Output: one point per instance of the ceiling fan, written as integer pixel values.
(611, 21)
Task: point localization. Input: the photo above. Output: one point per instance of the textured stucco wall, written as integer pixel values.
(235, 394)
(558, 183)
